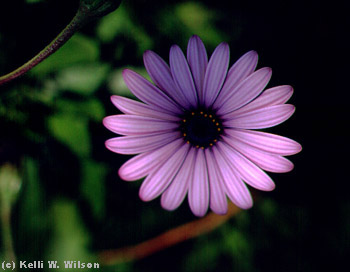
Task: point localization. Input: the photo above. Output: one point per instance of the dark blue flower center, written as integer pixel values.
(201, 128)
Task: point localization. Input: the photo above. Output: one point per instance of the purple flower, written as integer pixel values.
(196, 130)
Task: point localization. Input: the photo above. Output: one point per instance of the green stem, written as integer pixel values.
(60, 40)
(6, 233)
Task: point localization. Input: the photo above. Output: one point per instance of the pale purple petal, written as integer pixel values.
(218, 201)
(139, 144)
(245, 92)
(159, 72)
(137, 125)
(235, 188)
(198, 192)
(130, 106)
(141, 165)
(266, 161)
(159, 179)
(266, 141)
(273, 96)
(241, 69)
(247, 170)
(198, 60)
(262, 118)
(215, 74)
(174, 195)
(148, 93)
(182, 75)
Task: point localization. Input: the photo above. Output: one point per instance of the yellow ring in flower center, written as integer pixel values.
(201, 128)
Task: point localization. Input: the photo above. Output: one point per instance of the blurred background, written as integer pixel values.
(71, 204)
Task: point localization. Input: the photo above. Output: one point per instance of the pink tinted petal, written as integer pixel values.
(218, 201)
(266, 141)
(235, 189)
(262, 118)
(130, 106)
(247, 170)
(141, 165)
(176, 192)
(137, 125)
(245, 92)
(198, 192)
(159, 72)
(198, 60)
(148, 93)
(182, 75)
(215, 73)
(159, 179)
(139, 144)
(239, 71)
(273, 96)
(266, 161)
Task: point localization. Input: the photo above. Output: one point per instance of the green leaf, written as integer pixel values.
(71, 131)
(82, 79)
(237, 246)
(33, 227)
(120, 22)
(70, 237)
(90, 109)
(78, 50)
(188, 18)
(203, 257)
(93, 187)
(32, 192)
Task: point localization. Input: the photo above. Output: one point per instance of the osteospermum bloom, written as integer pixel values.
(196, 133)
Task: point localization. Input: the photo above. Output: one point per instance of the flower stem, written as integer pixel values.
(60, 40)
(167, 239)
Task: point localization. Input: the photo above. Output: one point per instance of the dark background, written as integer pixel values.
(72, 202)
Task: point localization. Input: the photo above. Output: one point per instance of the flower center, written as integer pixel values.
(201, 128)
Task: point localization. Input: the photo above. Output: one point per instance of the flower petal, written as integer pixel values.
(159, 179)
(241, 69)
(198, 192)
(160, 74)
(215, 74)
(174, 195)
(262, 118)
(130, 106)
(266, 141)
(235, 188)
(198, 60)
(245, 92)
(266, 161)
(182, 75)
(273, 96)
(247, 170)
(139, 144)
(137, 125)
(141, 165)
(148, 93)
(218, 201)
